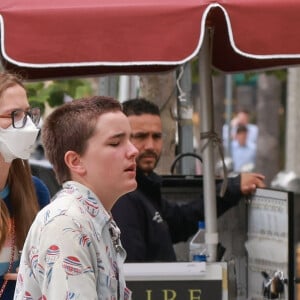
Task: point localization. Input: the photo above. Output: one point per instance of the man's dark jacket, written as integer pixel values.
(150, 224)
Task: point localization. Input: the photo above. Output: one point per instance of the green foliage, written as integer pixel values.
(240, 78)
(195, 70)
(251, 77)
(56, 96)
(281, 74)
(54, 92)
(36, 103)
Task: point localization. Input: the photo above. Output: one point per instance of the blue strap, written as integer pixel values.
(5, 192)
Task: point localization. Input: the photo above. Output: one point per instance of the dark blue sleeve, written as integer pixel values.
(42, 192)
(183, 219)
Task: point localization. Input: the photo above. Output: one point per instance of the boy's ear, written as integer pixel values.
(74, 163)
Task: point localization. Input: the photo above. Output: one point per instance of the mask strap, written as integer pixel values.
(5, 192)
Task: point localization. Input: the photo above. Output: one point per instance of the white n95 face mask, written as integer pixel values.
(18, 142)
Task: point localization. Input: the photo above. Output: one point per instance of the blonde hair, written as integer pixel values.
(23, 199)
(8, 80)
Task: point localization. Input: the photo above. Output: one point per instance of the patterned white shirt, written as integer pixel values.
(72, 251)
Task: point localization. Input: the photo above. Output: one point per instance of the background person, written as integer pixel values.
(21, 194)
(242, 118)
(73, 248)
(243, 151)
(150, 225)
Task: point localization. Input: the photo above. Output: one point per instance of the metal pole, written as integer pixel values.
(228, 112)
(185, 123)
(108, 86)
(207, 126)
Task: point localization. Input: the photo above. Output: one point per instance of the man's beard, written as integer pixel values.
(147, 168)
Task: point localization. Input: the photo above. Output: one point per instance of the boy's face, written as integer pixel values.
(241, 137)
(109, 161)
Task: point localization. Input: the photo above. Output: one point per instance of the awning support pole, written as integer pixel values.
(207, 126)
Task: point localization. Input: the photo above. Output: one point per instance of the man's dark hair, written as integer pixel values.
(241, 128)
(140, 106)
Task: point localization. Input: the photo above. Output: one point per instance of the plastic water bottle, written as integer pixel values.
(198, 249)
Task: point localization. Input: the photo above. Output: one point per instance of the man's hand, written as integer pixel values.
(251, 181)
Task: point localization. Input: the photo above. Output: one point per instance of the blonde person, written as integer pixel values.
(73, 249)
(21, 194)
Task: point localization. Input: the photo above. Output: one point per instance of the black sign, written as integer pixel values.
(176, 290)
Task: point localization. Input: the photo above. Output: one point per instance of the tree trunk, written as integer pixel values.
(268, 106)
(161, 89)
(293, 122)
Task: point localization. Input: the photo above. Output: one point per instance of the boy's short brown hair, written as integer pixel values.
(70, 126)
